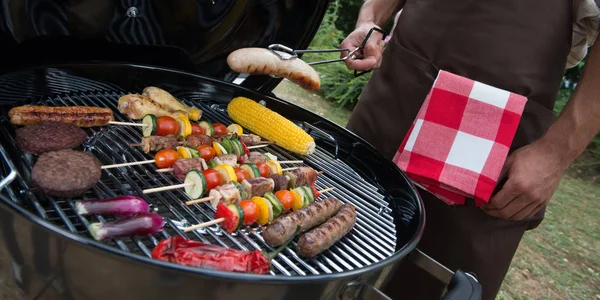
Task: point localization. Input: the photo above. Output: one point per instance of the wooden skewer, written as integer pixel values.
(135, 145)
(205, 224)
(128, 164)
(291, 162)
(326, 190)
(165, 170)
(320, 172)
(166, 188)
(258, 146)
(127, 123)
(289, 169)
(266, 142)
(198, 200)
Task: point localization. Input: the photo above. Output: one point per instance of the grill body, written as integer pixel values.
(46, 249)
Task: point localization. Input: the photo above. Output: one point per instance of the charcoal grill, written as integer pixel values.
(47, 251)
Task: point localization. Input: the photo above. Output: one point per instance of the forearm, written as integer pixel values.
(378, 12)
(579, 122)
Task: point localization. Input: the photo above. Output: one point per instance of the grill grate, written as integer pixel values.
(372, 239)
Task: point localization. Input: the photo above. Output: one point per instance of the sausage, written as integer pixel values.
(264, 62)
(319, 239)
(80, 116)
(284, 227)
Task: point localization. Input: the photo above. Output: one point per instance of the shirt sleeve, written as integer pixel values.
(586, 23)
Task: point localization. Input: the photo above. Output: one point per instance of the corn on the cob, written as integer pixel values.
(270, 125)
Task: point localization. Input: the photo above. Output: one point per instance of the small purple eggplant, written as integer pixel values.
(121, 206)
(139, 224)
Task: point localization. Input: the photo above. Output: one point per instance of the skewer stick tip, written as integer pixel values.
(326, 190)
(258, 146)
(205, 224)
(198, 200)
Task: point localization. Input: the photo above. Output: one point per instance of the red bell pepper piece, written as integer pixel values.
(317, 194)
(197, 254)
(231, 221)
(246, 150)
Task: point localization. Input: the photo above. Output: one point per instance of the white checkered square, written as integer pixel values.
(469, 152)
(410, 143)
(489, 94)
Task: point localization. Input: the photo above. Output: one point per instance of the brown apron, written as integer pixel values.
(520, 46)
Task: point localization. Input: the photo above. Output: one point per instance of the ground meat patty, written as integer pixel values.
(284, 227)
(49, 136)
(319, 239)
(281, 182)
(65, 173)
(195, 140)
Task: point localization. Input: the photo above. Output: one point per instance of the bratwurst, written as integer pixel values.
(80, 116)
(319, 239)
(264, 62)
(284, 227)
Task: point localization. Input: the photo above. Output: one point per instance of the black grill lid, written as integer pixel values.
(190, 35)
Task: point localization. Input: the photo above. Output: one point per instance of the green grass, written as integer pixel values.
(558, 260)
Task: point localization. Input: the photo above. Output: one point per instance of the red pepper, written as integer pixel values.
(196, 254)
(231, 221)
(246, 151)
(317, 194)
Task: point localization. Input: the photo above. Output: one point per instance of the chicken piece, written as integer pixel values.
(136, 106)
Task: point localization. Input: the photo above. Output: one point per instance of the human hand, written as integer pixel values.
(371, 53)
(534, 173)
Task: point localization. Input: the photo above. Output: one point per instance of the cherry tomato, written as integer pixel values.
(213, 178)
(286, 198)
(165, 158)
(196, 129)
(250, 211)
(220, 129)
(166, 125)
(264, 169)
(241, 174)
(206, 152)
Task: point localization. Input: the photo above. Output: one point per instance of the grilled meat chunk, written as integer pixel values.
(321, 238)
(156, 143)
(249, 139)
(183, 165)
(258, 186)
(226, 194)
(195, 140)
(284, 227)
(229, 159)
(167, 101)
(256, 157)
(49, 136)
(281, 182)
(65, 173)
(302, 175)
(80, 116)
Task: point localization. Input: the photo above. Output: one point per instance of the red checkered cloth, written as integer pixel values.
(459, 141)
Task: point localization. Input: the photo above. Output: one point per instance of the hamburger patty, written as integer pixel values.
(65, 173)
(49, 136)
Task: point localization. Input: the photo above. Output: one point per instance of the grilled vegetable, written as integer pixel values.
(166, 100)
(196, 129)
(166, 125)
(263, 169)
(122, 205)
(185, 127)
(298, 200)
(270, 125)
(206, 152)
(286, 198)
(227, 172)
(207, 126)
(275, 167)
(233, 215)
(265, 215)
(251, 169)
(213, 178)
(277, 206)
(251, 211)
(235, 128)
(199, 184)
(139, 224)
(219, 129)
(242, 190)
(187, 152)
(219, 149)
(238, 149)
(241, 174)
(226, 143)
(165, 158)
(151, 124)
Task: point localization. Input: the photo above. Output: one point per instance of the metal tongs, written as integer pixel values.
(286, 53)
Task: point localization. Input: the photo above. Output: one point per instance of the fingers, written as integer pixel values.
(371, 54)
(507, 194)
(522, 211)
(364, 64)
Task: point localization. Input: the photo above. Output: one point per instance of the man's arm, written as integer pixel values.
(373, 13)
(534, 171)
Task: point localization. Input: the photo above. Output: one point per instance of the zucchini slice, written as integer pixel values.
(292, 179)
(198, 188)
(239, 212)
(243, 194)
(252, 169)
(226, 143)
(275, 203)
(309, 192)
(238, 149)
(150, 122)
(207, 126)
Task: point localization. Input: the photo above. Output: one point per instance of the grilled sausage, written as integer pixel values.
(264, 62)
(319, 239)
(284, 227)
(80, 116)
